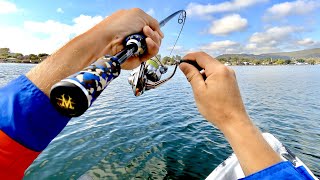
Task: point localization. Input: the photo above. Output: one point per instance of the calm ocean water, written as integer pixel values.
(161, 135)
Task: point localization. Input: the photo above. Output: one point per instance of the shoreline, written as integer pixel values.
(22, 62)
(173, 65)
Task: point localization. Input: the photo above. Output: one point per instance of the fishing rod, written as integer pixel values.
(73, 95)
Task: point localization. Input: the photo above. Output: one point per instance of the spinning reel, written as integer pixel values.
(147, 76)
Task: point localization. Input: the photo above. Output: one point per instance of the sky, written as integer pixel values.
(216, 27)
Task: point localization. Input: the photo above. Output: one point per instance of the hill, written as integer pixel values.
(304, 54)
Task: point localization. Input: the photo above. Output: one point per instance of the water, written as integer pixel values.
(161, 135)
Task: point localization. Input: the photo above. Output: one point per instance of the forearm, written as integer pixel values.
(29, 121)
(71, 58)
(252, 150)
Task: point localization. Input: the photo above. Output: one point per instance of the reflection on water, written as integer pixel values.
(161, 135)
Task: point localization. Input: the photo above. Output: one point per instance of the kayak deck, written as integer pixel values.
(230, 169)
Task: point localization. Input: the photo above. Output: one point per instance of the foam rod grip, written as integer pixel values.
(74, 95)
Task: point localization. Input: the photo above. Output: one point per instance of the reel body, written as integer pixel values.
(146, 75)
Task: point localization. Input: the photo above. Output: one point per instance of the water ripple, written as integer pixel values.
(161, 135)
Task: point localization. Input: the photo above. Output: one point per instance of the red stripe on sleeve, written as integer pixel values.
(14, 158)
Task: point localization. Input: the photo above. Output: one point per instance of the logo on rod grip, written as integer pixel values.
(64, 103)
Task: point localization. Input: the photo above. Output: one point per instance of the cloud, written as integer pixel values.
(196, 9)
(151, 12)
(60, 10)
(274, 35)
(308, 43)
(19, 40)
(253, 48)
(219, 45)
(177, 48)
(48, 36)
(222, 47)
(48, 27)
(84, 23)
(298, 7)
(228, 24)
(7, 7)
(274, 39)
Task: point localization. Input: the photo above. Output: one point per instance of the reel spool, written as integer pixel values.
(146, 76)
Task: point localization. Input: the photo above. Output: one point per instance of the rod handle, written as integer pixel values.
(74, 95)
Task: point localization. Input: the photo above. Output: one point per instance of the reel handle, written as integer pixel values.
(75, 94)
(194, 63)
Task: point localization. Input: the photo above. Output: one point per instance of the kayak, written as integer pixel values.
(230, 169)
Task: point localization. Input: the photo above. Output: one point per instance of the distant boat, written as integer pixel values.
(299, 63)
(227, 64)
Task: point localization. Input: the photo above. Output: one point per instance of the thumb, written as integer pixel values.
(193, 75)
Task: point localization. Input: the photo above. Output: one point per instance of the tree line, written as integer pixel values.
(236, 61)
(169, 60)
(266, 61)
(7, 56)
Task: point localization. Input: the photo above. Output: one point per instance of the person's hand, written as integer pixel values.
(217, 97)
(218, 100)
(104, 38)
(126, 22)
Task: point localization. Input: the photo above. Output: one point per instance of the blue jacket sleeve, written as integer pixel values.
(282, 170)
(27, 116)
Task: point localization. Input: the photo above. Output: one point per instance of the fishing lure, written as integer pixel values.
(75, 94)
(147, 75)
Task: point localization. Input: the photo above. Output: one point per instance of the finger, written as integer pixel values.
(193, 75)
(131, 63)
(154, 35)
(159, 39)
(150, 21)
(205, 61)
(154, 24)
(161, 34)
(152, 49)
